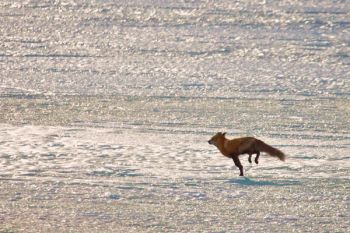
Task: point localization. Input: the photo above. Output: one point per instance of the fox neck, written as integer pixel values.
(221, 145)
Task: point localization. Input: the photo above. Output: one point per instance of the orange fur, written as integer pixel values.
(245, 145)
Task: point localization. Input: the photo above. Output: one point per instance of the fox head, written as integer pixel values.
(216, 138)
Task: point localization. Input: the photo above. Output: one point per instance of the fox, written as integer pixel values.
(233, 148)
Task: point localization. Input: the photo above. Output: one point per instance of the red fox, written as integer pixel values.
(246, 145)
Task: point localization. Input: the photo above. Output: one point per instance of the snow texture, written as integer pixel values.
(106, 108)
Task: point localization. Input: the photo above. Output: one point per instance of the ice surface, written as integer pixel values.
(106, 108)
(103, 179)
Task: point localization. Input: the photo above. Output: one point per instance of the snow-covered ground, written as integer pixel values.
(62, 179)
(106, 108)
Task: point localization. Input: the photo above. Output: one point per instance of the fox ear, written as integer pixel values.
(223, 134)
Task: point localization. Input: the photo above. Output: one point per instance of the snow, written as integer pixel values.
(92, 179)
(106, 108)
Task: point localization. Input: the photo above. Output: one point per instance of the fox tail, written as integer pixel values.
(272, 151)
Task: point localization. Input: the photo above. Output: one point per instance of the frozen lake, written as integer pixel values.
(106, 108)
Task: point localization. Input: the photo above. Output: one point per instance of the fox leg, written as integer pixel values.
(239, 165)
(257, 157)
(250, 158)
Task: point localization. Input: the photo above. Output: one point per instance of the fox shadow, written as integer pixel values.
(245, 181)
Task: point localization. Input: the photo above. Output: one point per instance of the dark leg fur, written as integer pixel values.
(250, 158)
(238, 164)
(257, 157)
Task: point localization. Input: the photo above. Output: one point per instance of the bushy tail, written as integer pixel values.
(274, 152)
